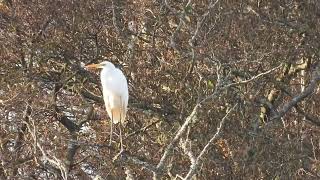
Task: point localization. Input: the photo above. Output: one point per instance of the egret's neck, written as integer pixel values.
(106, 72)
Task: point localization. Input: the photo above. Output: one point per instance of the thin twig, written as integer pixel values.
(143, 129)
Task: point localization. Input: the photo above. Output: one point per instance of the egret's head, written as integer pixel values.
(104, 64)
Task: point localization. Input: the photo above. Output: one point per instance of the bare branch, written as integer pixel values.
(143, 129)
(71, 151)
(168, 151)
(179, 134)
(51, 163)
(116, 18)
(295, 100)
(186, 146)
(201, 21)
(195, 34)
(23, 128)
(195, 165)
(308, 117)
(181, 22)
(127, 158)
(213, 95)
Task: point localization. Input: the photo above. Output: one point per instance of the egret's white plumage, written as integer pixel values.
(114, 89)
(115, 93)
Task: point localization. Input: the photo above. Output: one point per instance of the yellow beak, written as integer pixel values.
(93, 66)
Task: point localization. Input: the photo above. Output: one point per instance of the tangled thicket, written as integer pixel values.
(218, 89)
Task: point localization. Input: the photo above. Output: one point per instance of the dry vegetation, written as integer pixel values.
(218, 89)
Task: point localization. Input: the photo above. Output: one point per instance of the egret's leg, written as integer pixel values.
(121, 145)
(120, 128)
(111, 128)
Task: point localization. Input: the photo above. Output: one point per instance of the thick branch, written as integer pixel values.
(64, 120)
(71, 151)
(195, 165)
(309, 89)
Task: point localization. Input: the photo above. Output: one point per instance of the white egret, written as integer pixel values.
(115, 93)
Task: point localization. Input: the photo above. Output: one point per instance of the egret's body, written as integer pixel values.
(115, 93)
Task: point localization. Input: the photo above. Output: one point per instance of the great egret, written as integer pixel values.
(115, 93)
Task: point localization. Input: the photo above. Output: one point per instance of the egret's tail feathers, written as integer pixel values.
(117, 115)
